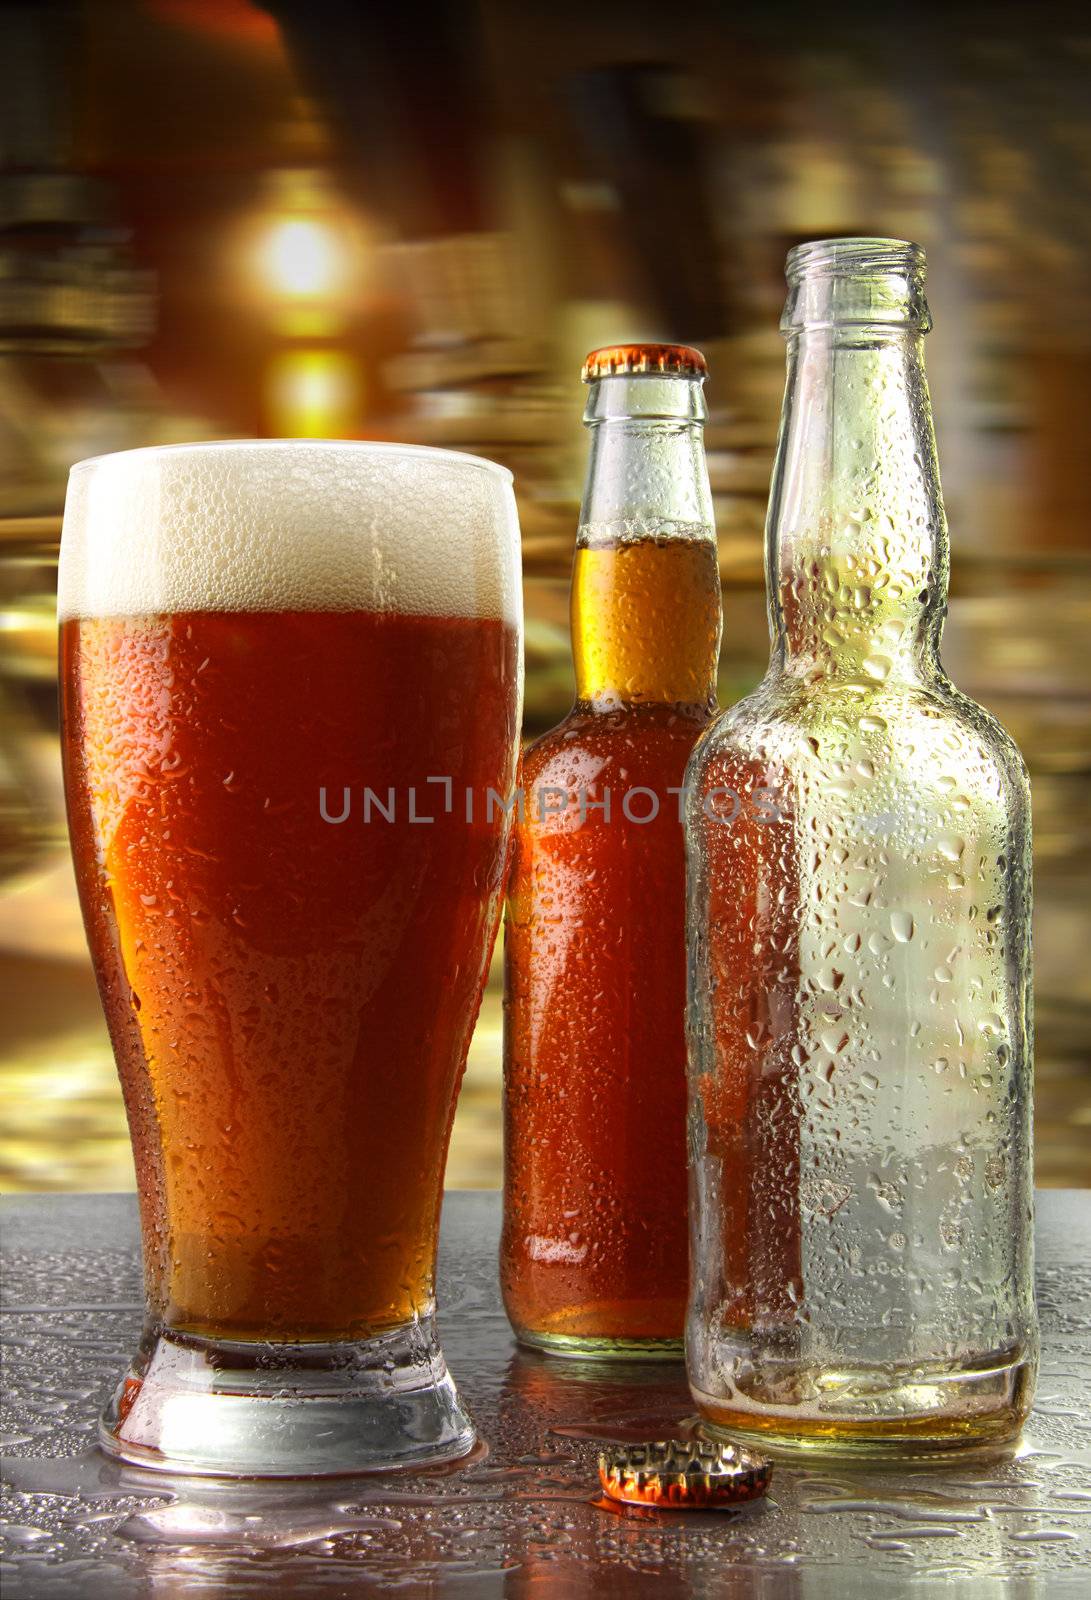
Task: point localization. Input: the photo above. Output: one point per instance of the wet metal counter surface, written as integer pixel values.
(520, 1518)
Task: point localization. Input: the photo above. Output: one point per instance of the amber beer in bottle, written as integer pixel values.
(860, 940)
(594, 1252)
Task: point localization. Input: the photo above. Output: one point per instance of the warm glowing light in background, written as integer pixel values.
(313, 394)
(300, 260)
(302, 256)
(237, 20)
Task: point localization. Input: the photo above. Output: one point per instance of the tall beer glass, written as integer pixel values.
(291, 693)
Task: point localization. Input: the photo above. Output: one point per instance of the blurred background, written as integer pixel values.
(328, 218)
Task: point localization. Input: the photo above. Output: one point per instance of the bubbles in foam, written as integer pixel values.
(292, 525)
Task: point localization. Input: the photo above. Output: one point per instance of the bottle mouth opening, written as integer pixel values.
(856, 288)
(851, 258)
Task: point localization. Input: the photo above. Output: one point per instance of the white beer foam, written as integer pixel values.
(290, 525)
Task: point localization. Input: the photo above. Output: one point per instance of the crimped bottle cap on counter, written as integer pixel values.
(683, 1474)
(654, 360)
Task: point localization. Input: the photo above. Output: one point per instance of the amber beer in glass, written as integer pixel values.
(594, 1252)
(285, 668)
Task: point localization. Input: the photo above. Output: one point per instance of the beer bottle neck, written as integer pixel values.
(645, 590)
(856, 538)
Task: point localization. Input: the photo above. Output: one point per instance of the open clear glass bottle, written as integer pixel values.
(859, 914)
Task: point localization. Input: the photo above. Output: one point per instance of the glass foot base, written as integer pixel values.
(593, 1347)
(242, 1410)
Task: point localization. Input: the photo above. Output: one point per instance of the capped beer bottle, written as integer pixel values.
(859, 910)
(594, 1250)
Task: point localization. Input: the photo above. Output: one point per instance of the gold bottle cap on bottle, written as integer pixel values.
(666, 360)
(683, 1474)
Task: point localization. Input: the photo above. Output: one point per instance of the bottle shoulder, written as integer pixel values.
(626, 737)
(917, 724)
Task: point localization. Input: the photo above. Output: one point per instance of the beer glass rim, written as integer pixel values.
(377, 447)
